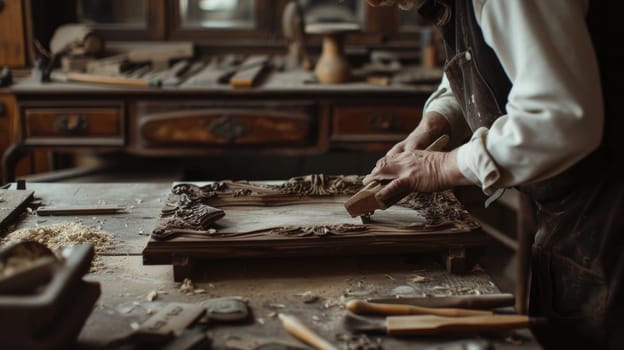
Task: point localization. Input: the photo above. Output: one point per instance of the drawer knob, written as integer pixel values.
(384, 122)
(228, 128)
(72, 123)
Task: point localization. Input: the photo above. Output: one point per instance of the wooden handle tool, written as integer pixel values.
(297, 329)
(431, 325)
(364, 202)
(361, 307)
(438, 325)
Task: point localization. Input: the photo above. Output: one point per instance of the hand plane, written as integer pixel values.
(364, 203)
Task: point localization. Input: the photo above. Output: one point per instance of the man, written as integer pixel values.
(533, 84)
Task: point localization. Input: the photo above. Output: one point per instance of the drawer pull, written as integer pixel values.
(228, 128)
(72, 123)
(384, 122)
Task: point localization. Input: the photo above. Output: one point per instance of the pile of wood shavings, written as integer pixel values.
(59, 236)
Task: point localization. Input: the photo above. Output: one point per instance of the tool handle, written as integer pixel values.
(431, 325)
(297, 329)
(362, 307)
(439, 144)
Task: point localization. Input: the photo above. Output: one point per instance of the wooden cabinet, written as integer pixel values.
(267, 120)
(12, 45)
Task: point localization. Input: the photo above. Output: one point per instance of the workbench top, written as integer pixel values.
(270, 285)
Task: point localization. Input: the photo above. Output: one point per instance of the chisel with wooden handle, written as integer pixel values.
(437, 325)
(361, 307)
(481, 302)
(364, 202)
(297, 329)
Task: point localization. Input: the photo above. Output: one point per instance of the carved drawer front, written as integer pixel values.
(227, 126)
(73, 126)
(376, 123)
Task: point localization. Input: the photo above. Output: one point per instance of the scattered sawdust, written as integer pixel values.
(359, 342)
(59, 236)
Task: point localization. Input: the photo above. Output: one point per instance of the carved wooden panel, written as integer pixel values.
(80, 125)
(302, 216)
(234, 126)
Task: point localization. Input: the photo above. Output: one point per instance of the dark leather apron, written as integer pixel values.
(578, 265)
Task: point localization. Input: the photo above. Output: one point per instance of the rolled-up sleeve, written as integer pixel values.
(554, 110)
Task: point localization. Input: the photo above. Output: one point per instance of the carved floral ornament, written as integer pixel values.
(192, 211)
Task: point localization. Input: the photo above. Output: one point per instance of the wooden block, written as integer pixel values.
(12, 203)
(163, 52)
(364, 202)
(114, 65)
(75, 64)
(249, 71)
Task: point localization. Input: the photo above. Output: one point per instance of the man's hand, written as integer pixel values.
(432, 126)
(417, 171)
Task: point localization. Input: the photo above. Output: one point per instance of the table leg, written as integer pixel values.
(455, 260)
(11, 156)
(182, 268)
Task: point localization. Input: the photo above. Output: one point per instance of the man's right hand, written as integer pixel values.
(432, 126)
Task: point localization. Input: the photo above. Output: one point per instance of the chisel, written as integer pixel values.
(437, 325)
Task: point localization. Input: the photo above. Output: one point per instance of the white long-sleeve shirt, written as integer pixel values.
(554, 109)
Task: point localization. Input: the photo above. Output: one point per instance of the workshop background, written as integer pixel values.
(164, 91)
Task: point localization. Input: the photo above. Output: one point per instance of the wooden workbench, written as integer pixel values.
(270, 285)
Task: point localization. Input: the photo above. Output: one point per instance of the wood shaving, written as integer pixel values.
(418, 279)
(308, 297)
(59, 236)
(152, 296)
(187, 287)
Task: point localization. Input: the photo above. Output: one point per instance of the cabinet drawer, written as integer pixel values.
(374, 123)
(253, 127)
(74, 126)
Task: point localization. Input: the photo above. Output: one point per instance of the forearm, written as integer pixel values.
(432, 126)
